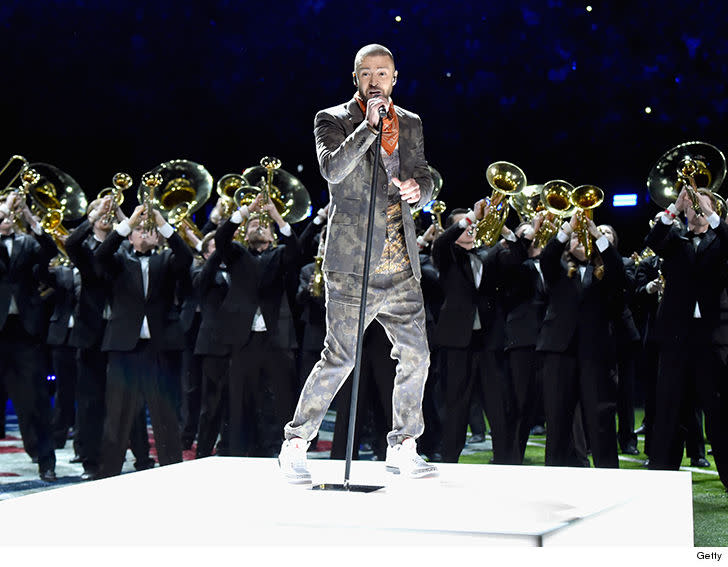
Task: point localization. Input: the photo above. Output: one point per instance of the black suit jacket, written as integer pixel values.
(19, 276)
(89, 323)
(580, 309)
(256, 280)
(211, 288)
(130, 306)
(690, 275)
(525, 298)
(65, 286)
(461, 298)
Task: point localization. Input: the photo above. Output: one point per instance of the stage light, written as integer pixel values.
(398, 19)
(588, 8)
(51, 378)
(624, 200)
(299, 168)
(648, 109)
(448, 74)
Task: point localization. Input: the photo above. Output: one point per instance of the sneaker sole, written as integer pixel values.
(421, 474)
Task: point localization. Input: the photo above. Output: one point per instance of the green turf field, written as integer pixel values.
(710, 500)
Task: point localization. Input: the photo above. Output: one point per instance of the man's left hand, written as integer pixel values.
(409, 190)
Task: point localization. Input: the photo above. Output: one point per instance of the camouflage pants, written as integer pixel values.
(395, 300)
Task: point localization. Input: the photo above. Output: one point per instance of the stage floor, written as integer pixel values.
(238, 501)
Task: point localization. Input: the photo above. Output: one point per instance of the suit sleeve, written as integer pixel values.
(181, 256)
(81, 257)
(202, 279)
(442, 248)
(337, 153)
(421, 171)
(659, 238)
(105, 254)
(224, 242)
(551, 260)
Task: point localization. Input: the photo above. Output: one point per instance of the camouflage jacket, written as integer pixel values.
(344, 146)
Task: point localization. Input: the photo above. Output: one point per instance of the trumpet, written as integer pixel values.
(121, 182)
(686, 173)
(585, 199)
(506, 180)
(150, 181)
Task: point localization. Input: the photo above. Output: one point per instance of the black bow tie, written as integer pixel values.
(146, 254)
(691, 234)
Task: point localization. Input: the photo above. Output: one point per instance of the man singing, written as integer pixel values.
(345, 136)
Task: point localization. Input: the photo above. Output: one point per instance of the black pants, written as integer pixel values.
(461, 369)
(191, 386)
(525, 371)
(214, 400)
(568, 378)
(626, 367)
(90, 405)
(262, 382)
(63, 363)
(133, 377)
(23, 370)
(680, 382)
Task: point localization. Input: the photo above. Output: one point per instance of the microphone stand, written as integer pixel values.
(347, 486)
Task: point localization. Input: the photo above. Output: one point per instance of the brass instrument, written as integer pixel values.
(179, 217)
(690, 165)
(506, 180)
(437, 208)
(226, 188)
(121, 182)
(28, 178)
(150, 182)
(55, 197)
(585, 199)
(23, 166)
(437, 183)
(556, 201)
(179, 188)
(649, 253)
(287, 193)
(527, 203)
(317, 279)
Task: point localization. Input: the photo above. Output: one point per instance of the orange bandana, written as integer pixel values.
(390, 130)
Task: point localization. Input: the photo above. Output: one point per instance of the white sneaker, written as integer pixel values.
(292, 460)
(403, 459)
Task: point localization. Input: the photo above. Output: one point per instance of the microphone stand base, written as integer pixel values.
(365, 488)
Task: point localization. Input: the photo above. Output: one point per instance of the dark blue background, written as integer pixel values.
(101, 87)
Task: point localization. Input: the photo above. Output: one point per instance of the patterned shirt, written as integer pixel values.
(394, 257)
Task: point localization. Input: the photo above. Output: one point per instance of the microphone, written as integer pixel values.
(382, 112)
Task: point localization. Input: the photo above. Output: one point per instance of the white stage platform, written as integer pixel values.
(245, 502)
